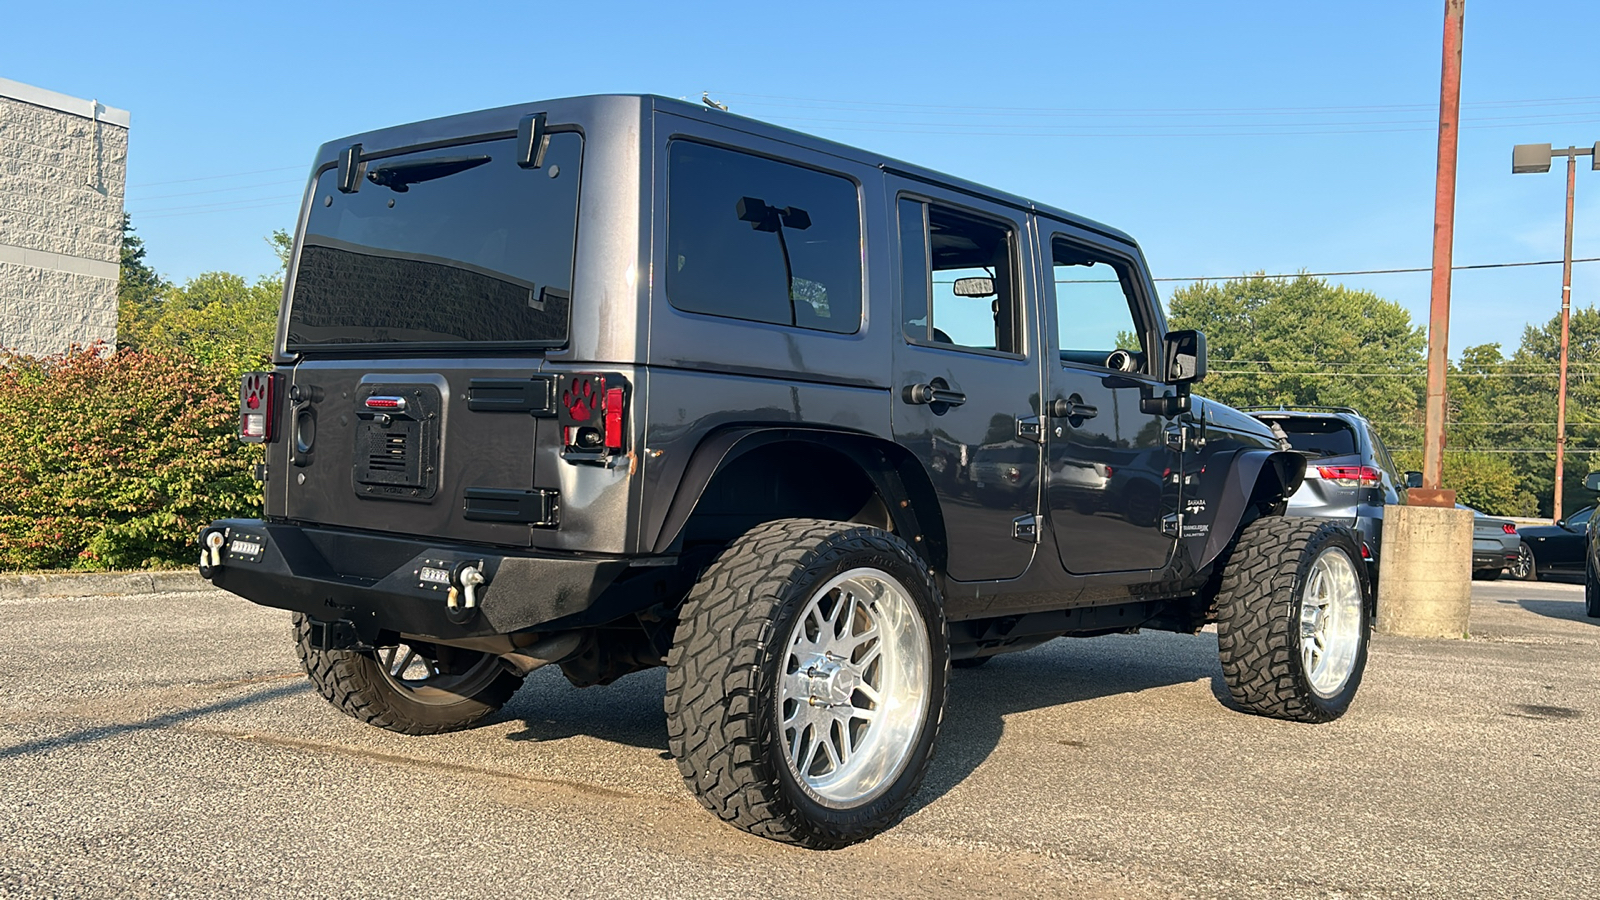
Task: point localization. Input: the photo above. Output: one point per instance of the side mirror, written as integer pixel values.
(1592, 482)
(1186, 357)
(1413, 479)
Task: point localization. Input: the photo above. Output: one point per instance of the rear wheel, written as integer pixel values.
(806, 682)
(1293, 619)
(1591, 591)
(409, 687)
(1485, 574)
(1524, 568)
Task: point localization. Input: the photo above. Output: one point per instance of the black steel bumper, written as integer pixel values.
(361, 584)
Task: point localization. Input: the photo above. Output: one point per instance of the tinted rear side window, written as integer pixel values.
(756, 239)
(1319, 437)
(442, 247)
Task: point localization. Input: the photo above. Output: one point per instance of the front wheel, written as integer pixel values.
(806, 682)
(1292, 619)
(1525, 568)
(412, 688)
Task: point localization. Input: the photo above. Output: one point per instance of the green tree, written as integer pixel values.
(1305, 342)
(216, 317)
(1522, 406)
(138, 285)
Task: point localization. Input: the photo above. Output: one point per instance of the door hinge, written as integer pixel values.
(1172, 524)
(1025, 529)
(1029, 428)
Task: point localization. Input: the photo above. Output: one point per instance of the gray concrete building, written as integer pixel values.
(63, 163)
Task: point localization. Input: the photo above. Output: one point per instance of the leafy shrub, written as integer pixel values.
(115, 460)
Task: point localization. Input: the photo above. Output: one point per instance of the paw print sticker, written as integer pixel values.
(581, 398)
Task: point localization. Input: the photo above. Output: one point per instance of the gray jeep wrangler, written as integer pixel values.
(618, 382)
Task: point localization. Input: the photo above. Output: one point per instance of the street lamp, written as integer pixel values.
(1526, 158)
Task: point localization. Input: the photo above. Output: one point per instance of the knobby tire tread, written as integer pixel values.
(352, 683)
(712, 696)
(1256, 618)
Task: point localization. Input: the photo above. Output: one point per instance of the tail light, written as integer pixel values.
(1351, 476)
(257, 416)
(1509, 528)
(593, 414)
(1366, 551)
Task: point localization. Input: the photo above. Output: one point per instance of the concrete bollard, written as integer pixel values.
(1425, 584)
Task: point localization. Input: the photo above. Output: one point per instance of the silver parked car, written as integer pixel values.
(1495, 544)
(1350, 475)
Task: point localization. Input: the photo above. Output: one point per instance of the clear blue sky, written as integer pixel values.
(1227, 137)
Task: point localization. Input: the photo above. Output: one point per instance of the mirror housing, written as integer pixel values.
(1413, 479)
(1592, 482)
(1185, 356)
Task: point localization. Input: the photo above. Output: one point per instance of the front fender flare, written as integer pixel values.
(1256, 478)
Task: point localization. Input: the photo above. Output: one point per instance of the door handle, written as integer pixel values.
(1073, 408)
(919, 394)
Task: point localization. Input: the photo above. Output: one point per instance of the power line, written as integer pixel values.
(842, 102)
(215, 177)
(1407, 271)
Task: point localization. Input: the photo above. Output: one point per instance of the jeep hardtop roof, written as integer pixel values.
(502, 119)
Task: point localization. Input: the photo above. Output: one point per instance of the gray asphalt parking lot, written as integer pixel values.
(166, 744)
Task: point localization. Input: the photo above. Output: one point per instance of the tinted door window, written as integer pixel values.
(959, 277)
(751, 238)
(1094, 309)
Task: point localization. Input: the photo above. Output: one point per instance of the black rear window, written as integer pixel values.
(442, 246)
(1319, 437)
(756, 239)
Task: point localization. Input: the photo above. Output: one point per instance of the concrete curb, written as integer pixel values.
(88, 584)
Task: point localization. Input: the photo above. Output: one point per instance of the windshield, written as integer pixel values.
(441, 247)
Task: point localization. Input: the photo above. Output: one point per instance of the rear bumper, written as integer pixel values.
(1493, 559)
(369, 584)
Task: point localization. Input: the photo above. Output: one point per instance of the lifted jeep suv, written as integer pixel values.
(619, 382)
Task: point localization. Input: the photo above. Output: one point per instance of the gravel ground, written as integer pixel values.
(166, 744)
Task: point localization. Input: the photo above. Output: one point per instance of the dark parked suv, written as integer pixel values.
(618, 382)
(1350, 476)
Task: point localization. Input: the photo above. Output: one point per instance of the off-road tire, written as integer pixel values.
(722, 678)
(354, 682)
(1258, 617)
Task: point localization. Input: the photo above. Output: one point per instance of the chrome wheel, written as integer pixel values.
(438, 679)
(853, 693)
(1523, 567)
(1331, 622)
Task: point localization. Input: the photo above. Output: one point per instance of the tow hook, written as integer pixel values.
(211, 553)
(464, 584)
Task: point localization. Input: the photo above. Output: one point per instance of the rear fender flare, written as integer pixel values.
(895, 474)
(1256, 479)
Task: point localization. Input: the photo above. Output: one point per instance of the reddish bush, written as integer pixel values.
(114, 460)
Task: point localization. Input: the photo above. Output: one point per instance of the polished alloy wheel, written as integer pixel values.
(1524, 564)
(441, 678)
(853, 692)
(1330, 622)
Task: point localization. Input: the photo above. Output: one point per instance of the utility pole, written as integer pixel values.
(1536, 158)
(1444, 216)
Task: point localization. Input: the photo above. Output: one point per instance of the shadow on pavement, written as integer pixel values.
(1571, 610)
(1067, 670)
(165, 720)
(1063, 671)
(627, 712)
